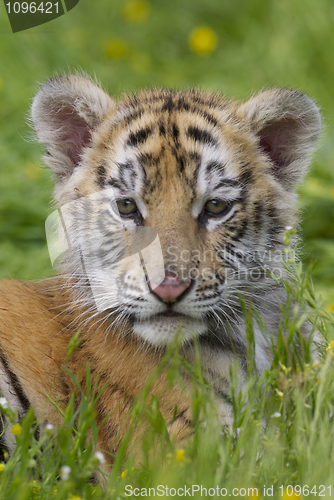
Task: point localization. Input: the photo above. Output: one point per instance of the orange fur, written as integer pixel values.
(35, 332)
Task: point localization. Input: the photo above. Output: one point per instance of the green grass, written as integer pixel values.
(282, 434)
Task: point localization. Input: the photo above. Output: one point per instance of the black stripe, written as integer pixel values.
(148, 158)
(246, 175)
(227, 182)
(225, 397)
(194, 178)
(200, 135)
(101, 175)
(125, 166)
(132, 116)
(209, 118)
(93, 479)
(180, 159)
(241, 230)
(272, 211)
(226, 256)
(168, 105)
(180, 416)
(15, 384)
(257, 215)
(37, 433)
(176, 132)
(220, 278)
(139, 137)
(162, 129)
(214, 165)
(113, 183)
(182, 104)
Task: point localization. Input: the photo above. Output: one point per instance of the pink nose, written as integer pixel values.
(170, 289)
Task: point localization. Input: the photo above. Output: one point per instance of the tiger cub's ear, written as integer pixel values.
(65, 112)
(287, 124)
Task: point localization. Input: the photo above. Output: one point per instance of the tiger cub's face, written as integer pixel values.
(176, 201)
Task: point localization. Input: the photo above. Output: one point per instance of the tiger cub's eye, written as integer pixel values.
(215, 207)
(127, 207)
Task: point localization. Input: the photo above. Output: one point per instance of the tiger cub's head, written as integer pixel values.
(174, 203)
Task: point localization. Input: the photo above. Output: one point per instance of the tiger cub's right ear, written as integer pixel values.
(65, 112)
(287, 124)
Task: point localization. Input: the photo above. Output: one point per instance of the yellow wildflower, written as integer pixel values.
(16, 429)
(293, 496)
(115, 49)
(179, 457)
(331, 307)
(135, 11)
(125, 472)
(75, 497)
(330, 348)
(203, 40)
(34, 485)
(2, 466)
(253, 492)
(284, 369)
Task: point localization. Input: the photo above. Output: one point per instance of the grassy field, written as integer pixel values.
(236, 47)
(280, 445)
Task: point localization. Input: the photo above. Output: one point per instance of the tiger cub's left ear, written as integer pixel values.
(287, 124)
(65, 113)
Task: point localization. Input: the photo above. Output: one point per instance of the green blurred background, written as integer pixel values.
(236, 47)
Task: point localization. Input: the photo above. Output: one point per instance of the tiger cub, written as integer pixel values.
(171, 206)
